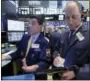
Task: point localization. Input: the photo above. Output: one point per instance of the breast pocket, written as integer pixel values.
(82, 52)
(37, 49)
(36, 53)
(81, 45)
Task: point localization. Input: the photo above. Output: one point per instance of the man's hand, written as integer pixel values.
(3, 57)
(69, 75)
(58, 60)
(30, 68)
(24, 62)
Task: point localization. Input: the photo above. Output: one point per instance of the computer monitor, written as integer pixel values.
(15, 25)
(16, 30)
(15, 36)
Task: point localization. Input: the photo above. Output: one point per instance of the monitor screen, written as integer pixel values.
(61, 17)
(15, 36)
(14, 25)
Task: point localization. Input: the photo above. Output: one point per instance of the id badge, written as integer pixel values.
(35, 46)
(80, 36)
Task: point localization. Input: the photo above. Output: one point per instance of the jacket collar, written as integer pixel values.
(82, 29)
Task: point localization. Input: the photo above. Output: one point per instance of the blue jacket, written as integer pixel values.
(76, 52)
(36, 55)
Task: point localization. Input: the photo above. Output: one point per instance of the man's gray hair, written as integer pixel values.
(80, 6)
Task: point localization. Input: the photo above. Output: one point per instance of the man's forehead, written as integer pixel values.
(71, 4)
(72, 11)
(70, 15)
(33, 20)
(71, 7)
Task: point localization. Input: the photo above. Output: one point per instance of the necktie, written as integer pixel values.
(28, 46)
(70, 36)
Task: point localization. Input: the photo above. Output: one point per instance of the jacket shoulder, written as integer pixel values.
(45, 39)
(25, 36)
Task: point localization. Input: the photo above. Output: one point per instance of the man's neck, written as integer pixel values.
(78, 26)
(35, 33)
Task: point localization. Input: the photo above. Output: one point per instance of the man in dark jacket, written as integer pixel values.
(75, 49)
(32, 48)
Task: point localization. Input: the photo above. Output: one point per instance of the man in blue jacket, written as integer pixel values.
(75, 49)
(32, 48)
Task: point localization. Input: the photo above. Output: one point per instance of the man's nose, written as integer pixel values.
(70, 20)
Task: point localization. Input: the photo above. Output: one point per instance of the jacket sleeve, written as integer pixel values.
(83, 72)
(55, 45)
(58, 45)
(44, 58)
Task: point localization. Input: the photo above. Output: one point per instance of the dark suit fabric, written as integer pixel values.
(76, 52)
(35, 55)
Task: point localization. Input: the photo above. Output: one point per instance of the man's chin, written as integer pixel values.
(72, 28)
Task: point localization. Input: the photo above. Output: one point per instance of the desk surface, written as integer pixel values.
(4, 51)
(20, 77)
(5, 62)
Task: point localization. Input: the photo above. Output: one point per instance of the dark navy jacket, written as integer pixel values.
(36, 55)
(76, 52)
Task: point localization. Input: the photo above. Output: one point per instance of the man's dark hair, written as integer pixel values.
(40, 19)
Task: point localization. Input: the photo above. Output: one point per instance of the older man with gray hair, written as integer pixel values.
(75, 51)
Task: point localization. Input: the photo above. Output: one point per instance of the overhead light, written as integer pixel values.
(34, 2)
(46, 18)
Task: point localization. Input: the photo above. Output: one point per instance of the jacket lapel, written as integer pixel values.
(74, 38)
(73, 42)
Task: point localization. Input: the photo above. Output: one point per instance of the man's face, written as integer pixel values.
(73, 17)
(34, 26)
